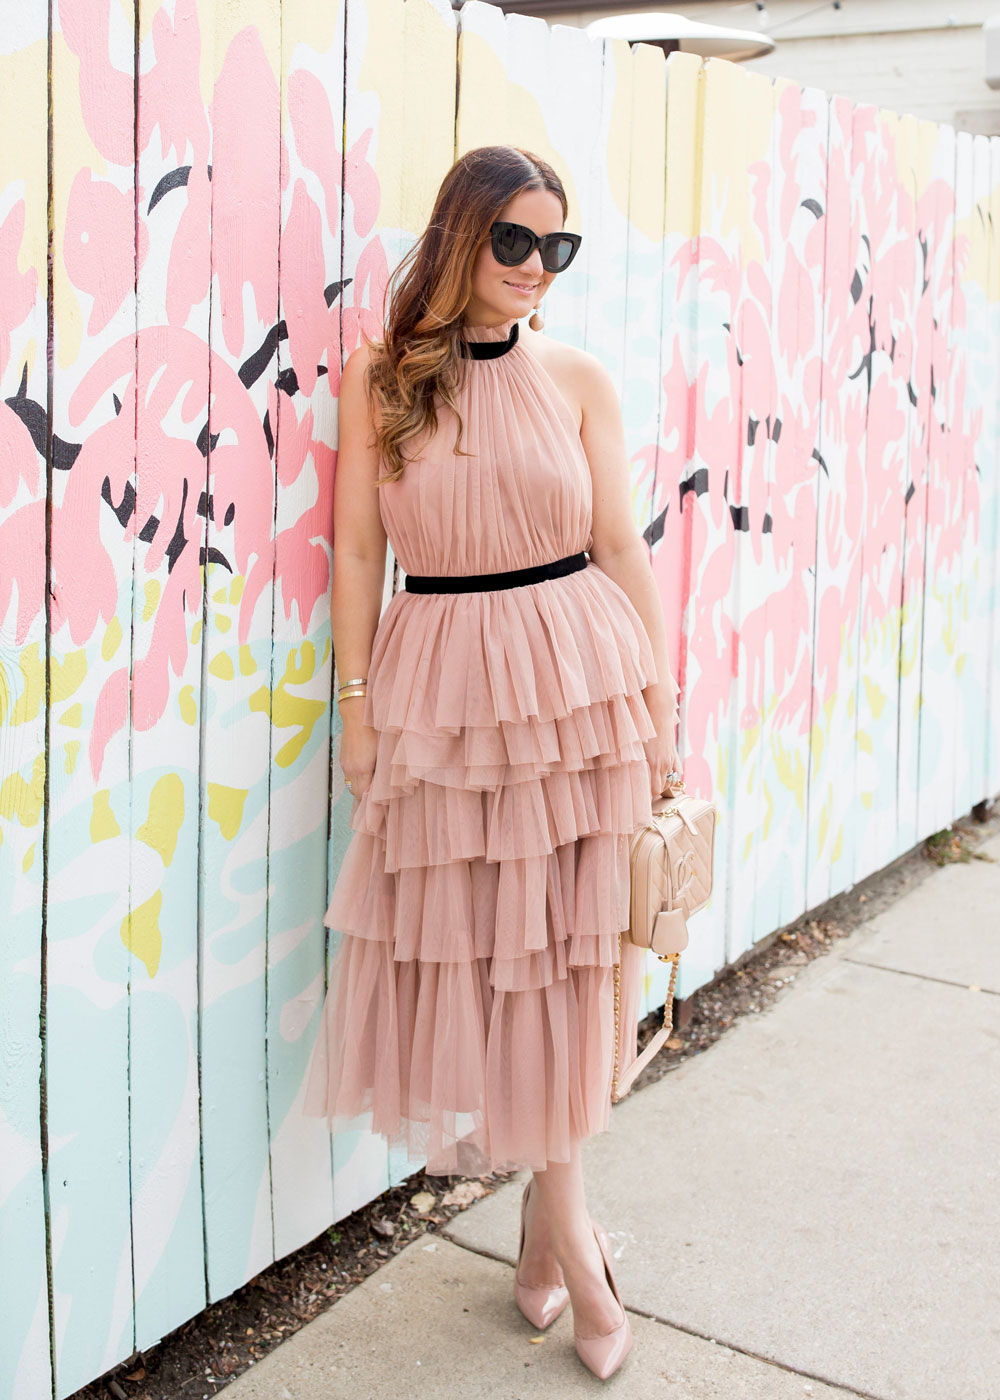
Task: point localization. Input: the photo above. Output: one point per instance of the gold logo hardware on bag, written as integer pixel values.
(670, 863)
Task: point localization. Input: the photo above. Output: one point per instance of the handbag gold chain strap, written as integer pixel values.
(668, 1007)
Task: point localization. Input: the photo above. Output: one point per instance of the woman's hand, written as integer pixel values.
(661, 749)
(358, 746)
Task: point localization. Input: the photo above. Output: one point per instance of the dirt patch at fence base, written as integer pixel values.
(199, 1358)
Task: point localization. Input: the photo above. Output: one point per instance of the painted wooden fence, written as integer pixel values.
(799, 301)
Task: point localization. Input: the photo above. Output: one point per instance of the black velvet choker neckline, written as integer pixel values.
(489, 349)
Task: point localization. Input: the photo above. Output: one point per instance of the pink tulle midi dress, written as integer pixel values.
(479, 899)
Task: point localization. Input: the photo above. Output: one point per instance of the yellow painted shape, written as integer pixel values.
(824, 827)
(222, 666)
(222, 622)
(522, 122)
(875, 696)
(236, 588)
(685, 117)
(28, 704)
(790, 770)
(816, 741)
(166, 812)
(225, 806)
(960, 663)
(838, 845)
(103, 823)
(112, 639)
(618, 151)
(305, 22)
(289, 710)
(248, 665)
(151, 598)
(72, 753)
(73, 716)
(23, 798)
(750, 738)
(221, 594)
(68, 675)
(733, 140)
(29, 859)
(865, 741)
(409, 63)
(23, 153)
(866, 798)
(140, 932)
(196, 633)
(188, 705)
(326, 650)
(720, 768)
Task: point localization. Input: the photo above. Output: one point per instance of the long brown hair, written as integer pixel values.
(420, 352)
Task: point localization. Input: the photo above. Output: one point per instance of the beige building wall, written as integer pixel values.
(908, 55)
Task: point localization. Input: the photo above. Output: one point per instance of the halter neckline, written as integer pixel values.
(489, 342)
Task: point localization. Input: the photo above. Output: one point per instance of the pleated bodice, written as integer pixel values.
(523, 497)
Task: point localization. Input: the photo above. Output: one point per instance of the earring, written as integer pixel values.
(536, 321)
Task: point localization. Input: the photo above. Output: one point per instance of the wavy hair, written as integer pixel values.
(420, 353)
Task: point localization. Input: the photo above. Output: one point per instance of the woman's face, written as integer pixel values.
(500, 292)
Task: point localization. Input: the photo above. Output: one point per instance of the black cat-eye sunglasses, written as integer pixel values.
(512, 243)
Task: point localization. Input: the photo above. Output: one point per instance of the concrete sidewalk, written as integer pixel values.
(811, 1208)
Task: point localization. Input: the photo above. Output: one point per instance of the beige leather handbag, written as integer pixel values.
(671, 861)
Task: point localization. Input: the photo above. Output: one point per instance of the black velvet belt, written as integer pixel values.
(510, 578)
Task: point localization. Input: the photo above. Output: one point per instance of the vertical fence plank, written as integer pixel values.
(991, 480)
(839, 505)
(173, 219)
(674, 509)
(912, 450)
(864, 151)
(790, 520)
(93, 540)
(412, 66)
(642, 398)
(740, 416)
(757, 338)
(977, 511)
(372, 39)
(25, 1367)
(968, 672)
(238, 689)
(713, 446)
(302, 414)
(936, 693)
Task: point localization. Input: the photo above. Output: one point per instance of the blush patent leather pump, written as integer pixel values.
(541, 1304)
(605, 1353)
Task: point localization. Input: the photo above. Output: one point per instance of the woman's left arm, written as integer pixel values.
(618, 548)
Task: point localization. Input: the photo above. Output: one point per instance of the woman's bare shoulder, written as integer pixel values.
(573, 369)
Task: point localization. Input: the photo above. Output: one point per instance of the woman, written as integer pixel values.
(506, 722)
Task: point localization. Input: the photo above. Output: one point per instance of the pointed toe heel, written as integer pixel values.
(604, 1354)
(541, 1304)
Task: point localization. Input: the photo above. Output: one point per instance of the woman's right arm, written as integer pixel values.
(359, 557)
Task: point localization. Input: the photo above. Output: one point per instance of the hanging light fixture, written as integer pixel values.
(672, 32)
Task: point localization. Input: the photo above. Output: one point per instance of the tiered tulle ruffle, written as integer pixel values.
(484, 887)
